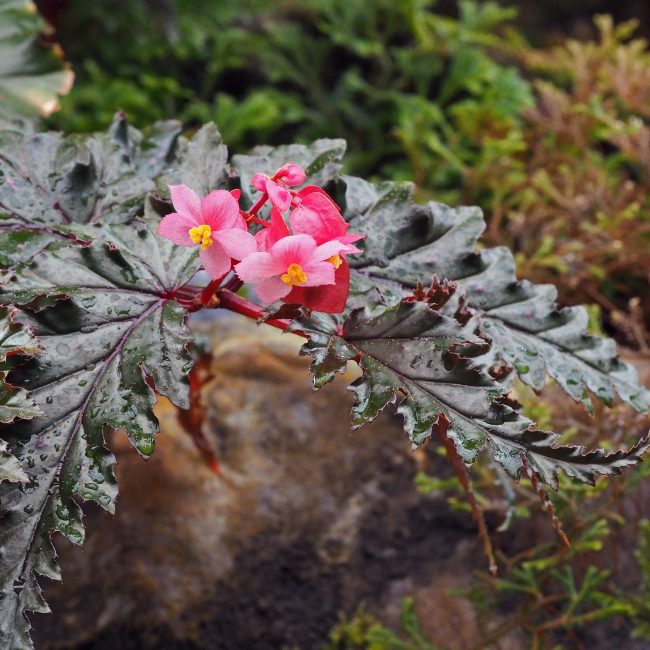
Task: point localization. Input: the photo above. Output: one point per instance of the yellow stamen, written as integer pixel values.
(201, 235)
(335, 261)
(294, 275)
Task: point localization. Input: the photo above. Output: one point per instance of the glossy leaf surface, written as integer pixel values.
(409, 243)
(32, 74)
(109, 333)
(418, 359)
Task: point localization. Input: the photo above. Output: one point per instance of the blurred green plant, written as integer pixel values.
(638, 606)
(574, 202)
(553, 593)
(363, 631)
(383, 75)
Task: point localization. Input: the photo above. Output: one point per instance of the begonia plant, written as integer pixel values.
(105, 245)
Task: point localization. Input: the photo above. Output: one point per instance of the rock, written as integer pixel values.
(307, 521)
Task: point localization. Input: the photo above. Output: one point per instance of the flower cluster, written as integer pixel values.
(299, 258)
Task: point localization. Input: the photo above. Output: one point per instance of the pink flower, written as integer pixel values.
(276, 186)
(293, 261)
(213, 223)
(330, 298)
(315, 215)
(318, 216)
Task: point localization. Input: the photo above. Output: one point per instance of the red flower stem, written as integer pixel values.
(209, 290)
(233, 302)
(234, 284)
(258, 206)
(249, 218)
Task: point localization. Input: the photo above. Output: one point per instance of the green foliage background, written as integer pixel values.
(373, 73)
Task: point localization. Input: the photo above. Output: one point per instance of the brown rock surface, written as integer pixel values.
(307, 521)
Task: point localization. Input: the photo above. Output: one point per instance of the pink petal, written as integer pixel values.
(259, 181)
(257, 267)
(278, 224)
(280, 196)
(327, 250)
(291, 174)
(273, 231)
(350, 238)
(236, 194)
(215, 260)
(318, 273)
(176, 227)
(186, 202)
(271, 290)
(263, 239)
(241, 224)
(295, 249)
(237, 243)
(219, 210)
(349, 249)
(318, 216)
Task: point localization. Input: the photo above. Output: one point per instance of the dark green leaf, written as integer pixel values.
(15, 403)
(31, 74)
(108, 325)
(200, 162)
(407, 243)
(417, 358)
(10, 469)
(49, 179)
(50, 183)
(15, 341)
